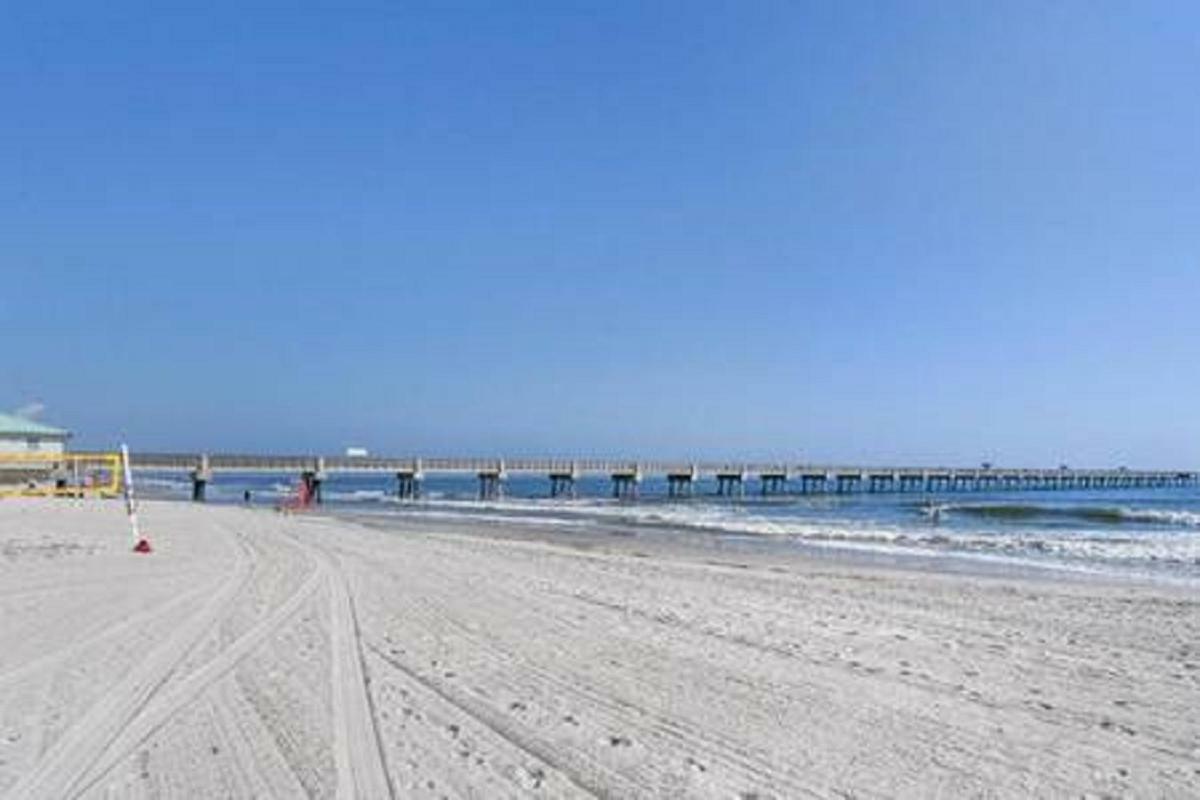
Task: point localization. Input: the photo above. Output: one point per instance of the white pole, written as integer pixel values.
(130, 507)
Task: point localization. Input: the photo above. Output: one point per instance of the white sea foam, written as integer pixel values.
(1032, 530)
(359, 496)
(1118, 545)
(1165, 516)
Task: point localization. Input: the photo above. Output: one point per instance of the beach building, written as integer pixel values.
(20, 435)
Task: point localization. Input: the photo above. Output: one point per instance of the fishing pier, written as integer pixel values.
(682, 477)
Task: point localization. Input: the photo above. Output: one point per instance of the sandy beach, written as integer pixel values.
(260, 655)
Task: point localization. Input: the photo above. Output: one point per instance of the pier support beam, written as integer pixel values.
(813, 482)
(562, 484)
(731, 484)
(883, 481)
(625, 483)
(681, 484)
(201, 476)
(848, 482)
(408, 483)
(937, 481)
(200, 485)
(491, 483)
(773, 482)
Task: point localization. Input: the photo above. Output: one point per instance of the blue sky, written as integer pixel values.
(901, 232)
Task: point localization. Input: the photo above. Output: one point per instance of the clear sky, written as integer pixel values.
(895, 232)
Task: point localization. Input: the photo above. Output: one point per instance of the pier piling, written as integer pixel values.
(731, 483)
(680, 484)
(491, 483)
(848, 481)
(201, 475)
(813, 482)
(773, 482)
(408, 484)
(562, 484)
(625, 483)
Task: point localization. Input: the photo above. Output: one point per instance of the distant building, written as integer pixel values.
(20, 435)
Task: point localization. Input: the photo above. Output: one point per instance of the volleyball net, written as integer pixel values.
(60, 474)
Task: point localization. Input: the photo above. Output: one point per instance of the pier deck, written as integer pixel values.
(728, 477)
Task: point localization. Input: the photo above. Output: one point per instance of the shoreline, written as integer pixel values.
(1122, 538)
(699, 543)
(257, 653)
(1128, 535)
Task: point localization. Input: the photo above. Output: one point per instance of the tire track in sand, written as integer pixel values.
(261, 771)
(174, 698)
(581, 773)
(688, 740)
(358, 751)
(61, 767)
(70, 652)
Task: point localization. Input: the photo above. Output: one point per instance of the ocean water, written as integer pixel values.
(1142, 532)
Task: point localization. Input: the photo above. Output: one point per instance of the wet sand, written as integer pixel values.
(256, 654)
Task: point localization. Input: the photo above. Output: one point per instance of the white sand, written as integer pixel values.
(260, 655)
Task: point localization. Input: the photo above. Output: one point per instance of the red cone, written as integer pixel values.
(143, 546)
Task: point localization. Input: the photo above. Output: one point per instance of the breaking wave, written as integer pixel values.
(1098, 545)
(1133, 534)
(1112, 515)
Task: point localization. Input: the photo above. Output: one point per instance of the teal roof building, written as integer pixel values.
(22, 435)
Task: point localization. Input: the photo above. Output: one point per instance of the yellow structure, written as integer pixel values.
(60, 474)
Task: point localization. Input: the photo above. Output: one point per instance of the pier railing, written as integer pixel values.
(680, 475)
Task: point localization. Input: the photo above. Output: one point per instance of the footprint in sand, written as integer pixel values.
(531, 778)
